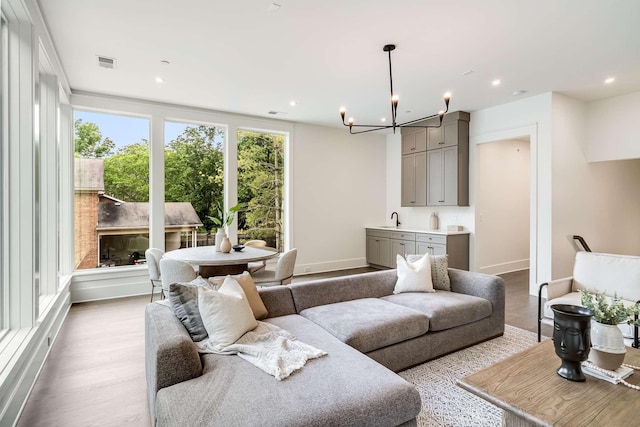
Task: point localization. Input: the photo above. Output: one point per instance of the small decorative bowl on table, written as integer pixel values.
(238, 248)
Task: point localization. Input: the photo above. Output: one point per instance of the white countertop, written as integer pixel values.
(416, 230)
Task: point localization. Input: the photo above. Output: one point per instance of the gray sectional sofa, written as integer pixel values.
(367, 331)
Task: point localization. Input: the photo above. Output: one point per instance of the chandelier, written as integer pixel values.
(394, 109)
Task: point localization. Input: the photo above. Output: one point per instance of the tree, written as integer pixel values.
(193, 171)
(89, 142)
(126, 173)
(260, 184)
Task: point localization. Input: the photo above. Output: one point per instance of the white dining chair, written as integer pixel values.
(258, 265)
(153, 256)
(174, 271)
(282, 274)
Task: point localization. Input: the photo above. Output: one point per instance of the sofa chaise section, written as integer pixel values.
(343, 388)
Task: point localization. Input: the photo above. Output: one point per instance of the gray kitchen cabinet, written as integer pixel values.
(430, 248)
(443, 174)
(403, 248)
(448, 162)
(384, 245)
(402, 243)
(414, 140)
(444, 136)
(456, 246)
(378, 248)
(441, 177)
(414, 180)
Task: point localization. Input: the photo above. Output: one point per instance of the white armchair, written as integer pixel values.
(594, 272)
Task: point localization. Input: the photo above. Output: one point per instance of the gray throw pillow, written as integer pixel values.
(439, 273)
(183, 299)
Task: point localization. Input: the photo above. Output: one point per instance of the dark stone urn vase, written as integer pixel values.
(571, 338)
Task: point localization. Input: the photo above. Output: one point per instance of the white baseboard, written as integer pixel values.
(323, 267)
(109, 283)
(506, 267)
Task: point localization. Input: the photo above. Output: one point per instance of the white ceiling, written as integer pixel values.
(237, 56)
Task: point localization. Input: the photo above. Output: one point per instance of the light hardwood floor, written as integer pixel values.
(94, 375)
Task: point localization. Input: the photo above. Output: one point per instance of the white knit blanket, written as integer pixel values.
(270, 348)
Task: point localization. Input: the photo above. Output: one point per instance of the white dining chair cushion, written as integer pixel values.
(226, 313)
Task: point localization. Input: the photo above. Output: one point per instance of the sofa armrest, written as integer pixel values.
(559, 287)
(480, 285)
(171, 356)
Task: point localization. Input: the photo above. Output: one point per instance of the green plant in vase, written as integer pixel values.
(224, 219)
(611, 312)
(221, 220)
(607, 342)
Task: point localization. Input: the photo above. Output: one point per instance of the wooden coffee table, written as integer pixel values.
(527, 387)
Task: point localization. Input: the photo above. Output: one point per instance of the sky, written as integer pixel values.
(125, 130)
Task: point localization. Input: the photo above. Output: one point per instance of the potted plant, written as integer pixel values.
(608, 347)
(224, 219)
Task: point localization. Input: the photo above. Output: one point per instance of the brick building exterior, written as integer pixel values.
(110, 232)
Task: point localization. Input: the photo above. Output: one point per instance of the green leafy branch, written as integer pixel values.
(609, 312)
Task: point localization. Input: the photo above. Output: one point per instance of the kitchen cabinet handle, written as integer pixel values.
(413, 148)
(440, 201)
(441, 143)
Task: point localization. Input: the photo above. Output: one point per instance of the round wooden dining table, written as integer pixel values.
(211, 263)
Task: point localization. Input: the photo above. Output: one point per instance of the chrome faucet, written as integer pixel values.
(397, 219)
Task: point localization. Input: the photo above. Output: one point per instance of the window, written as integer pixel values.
(194, 183)
(260, 187)
(111, 189)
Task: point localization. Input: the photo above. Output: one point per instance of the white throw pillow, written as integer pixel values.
(226, 313)
(413, 276)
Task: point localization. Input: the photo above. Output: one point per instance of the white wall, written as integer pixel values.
(599, 201)
(339, 185)
(570, 200)
(614, 210)
(612, 128)
(502, 206)
(530, 117)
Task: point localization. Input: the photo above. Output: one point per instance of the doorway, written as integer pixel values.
(503, 205)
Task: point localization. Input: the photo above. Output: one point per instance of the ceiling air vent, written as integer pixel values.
(106, 62)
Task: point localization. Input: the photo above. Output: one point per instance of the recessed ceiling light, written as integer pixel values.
(292, 103)
(609, 80)
(384, 119)
(273, 8)
(496, 82)
(159, 80)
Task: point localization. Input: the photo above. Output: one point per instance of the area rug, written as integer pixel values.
(446, 404)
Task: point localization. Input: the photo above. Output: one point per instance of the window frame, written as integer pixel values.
(70, 188)
(4, 138)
